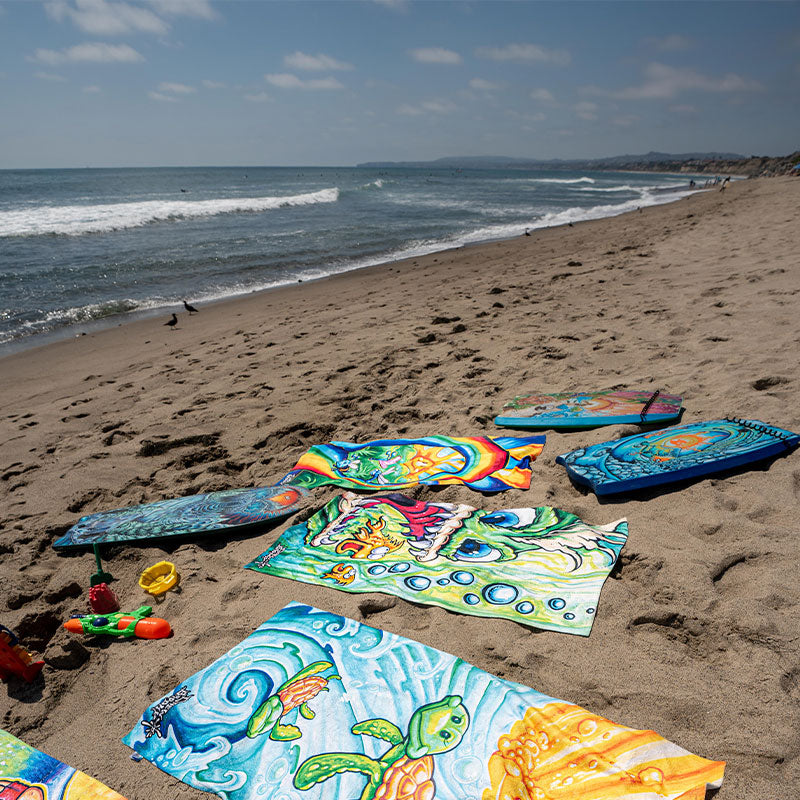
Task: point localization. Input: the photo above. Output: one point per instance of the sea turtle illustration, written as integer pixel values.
(294, 693)
(405, 770)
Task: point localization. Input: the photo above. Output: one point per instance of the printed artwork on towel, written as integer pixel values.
(675, 454)
(181, 516)
(541, 567)
(588, 409)
(486, 464)
(30, 774)
(314, 706)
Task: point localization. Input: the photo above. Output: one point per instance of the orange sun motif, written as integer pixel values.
(563, 752)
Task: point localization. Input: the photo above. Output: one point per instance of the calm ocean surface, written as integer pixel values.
(86, 248)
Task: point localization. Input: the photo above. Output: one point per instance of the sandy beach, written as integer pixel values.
(697, 629)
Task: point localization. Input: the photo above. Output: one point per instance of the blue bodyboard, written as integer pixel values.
(181, 516)
(675, 454)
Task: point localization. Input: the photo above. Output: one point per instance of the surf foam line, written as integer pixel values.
(78, 220)
(100, 313)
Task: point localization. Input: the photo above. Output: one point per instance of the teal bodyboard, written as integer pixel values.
(675, 454)
(181, 516)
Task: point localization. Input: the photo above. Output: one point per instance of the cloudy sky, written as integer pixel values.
(216, 82)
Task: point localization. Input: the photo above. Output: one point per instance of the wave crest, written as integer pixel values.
(75, 220)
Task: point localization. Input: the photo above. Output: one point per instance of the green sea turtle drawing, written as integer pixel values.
(405, 770)
(294, 693)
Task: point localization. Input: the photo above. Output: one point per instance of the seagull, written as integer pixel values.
(173, 322)
(190, 309)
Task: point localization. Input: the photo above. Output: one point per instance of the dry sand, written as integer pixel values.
(697, 630)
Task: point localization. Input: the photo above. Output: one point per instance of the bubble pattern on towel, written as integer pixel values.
(541, 567)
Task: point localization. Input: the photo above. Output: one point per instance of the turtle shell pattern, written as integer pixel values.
(301, 691)
(407, 779)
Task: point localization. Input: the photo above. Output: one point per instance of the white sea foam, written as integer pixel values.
(72, 220)
(584, 179)
(627, 187)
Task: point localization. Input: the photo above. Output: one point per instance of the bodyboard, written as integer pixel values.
(29, 774)
(483, 463)
(181, 516)
(541, 567)
(589, 409)
(314, 706)
(675, 454)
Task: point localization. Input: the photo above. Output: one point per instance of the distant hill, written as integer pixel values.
(721, 163)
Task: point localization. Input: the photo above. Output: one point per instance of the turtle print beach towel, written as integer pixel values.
(313, 705)
(541, 567)
(486, 464)
(30, 774)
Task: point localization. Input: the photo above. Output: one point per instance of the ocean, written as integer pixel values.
(87, 248)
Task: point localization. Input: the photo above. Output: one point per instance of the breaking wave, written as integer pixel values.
(584, 179)
(76, 220)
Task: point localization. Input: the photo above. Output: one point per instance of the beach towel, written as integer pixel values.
(30, 774)
(541, 567)
(313, 705)
(486, 464)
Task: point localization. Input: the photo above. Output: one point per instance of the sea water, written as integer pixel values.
(90, 247)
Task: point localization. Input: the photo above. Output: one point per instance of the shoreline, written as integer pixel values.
(697, 298)
(100, 324)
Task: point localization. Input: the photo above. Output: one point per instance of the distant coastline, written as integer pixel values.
(684, 163)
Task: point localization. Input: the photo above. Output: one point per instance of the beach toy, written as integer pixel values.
(102, 599)
(675, 454)
(233, 509)
(589, 409)
(100, 576)
(138, 623)
(15, 659)
(159, 578)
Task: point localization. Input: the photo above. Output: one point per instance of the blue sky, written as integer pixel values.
(217, 82)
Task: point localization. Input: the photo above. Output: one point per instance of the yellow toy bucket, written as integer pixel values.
(159, 578)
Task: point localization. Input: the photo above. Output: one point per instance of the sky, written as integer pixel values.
(267, 82)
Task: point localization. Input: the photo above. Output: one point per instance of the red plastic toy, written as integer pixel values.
(15, 659)
(102, 599)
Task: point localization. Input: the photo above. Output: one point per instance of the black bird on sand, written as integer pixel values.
(190, 309)
(173, 322)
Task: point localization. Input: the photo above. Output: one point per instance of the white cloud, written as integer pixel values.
(435, 55)
(683, 108)
(663, 82)
(625, 120)
(432, 106)
(92, 90)
(50, 76)
(481, 85)
(439, 106)
(260, 97)
(176, 88)
(542, 95)
(669, 44)
(162, 98)
(200, 9)
(286, 80)
(395, 5)
(214, 84)
(408, 110)
(102, 18)
(586, 110)
(320, 62)
(96, 52)
(525, 54)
